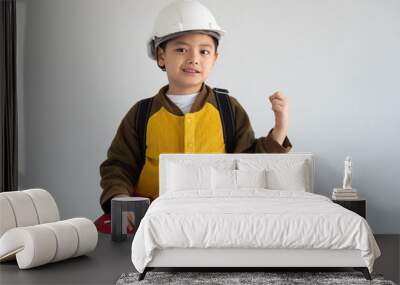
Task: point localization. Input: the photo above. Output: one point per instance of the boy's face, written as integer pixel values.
(193, 51)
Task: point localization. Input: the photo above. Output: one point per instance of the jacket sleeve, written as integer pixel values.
(245, 141)
(121, 170)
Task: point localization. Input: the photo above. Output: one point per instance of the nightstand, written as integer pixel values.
(358, 206)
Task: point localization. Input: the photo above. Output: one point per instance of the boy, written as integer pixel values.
(184, 116)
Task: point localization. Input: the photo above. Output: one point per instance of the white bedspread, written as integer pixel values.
(250, 218)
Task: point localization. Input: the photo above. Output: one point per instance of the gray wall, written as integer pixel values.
(83, 64)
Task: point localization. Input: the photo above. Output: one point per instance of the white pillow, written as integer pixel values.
(181, 177)
(287, 179)
(185, 174)
(282, 174)
(251, 178)
(230, 179)
(223, 179)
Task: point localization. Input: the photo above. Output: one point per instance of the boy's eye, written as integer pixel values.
(183, 49)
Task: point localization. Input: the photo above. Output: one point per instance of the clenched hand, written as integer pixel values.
(280, 106)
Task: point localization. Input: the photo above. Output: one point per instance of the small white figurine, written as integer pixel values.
(347, 173)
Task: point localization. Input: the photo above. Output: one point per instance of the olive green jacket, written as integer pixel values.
(171, 131)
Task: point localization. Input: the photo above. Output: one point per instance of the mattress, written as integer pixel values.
(250, 218)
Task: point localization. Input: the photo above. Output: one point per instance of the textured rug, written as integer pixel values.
(230, 278)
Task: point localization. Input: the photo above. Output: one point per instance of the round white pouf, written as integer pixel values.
(26, 208)
(45, 205)
(40, 244)
(87, 233)
(32, 246)
(23, 208)
(67, 239)
(7, 218)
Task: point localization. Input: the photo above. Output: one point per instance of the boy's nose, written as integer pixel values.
(193, 58)
(193, 61)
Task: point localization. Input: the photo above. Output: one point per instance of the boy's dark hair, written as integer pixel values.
(163, 45)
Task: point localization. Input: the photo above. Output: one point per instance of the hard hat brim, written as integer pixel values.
(153, 43)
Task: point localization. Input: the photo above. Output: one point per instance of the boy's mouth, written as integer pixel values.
(190, 70)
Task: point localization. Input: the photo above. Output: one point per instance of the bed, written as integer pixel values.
(245, 211)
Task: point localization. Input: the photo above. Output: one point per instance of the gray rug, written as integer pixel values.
(229, 278)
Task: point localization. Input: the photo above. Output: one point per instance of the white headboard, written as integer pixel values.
(210, 157)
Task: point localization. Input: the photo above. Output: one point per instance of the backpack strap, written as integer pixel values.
(141, 124)
(227, 117)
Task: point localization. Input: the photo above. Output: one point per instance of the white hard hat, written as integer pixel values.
(179, 17)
